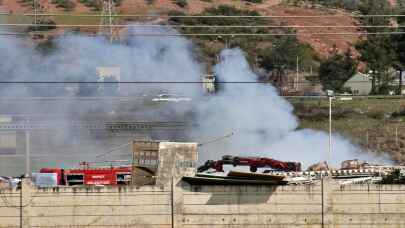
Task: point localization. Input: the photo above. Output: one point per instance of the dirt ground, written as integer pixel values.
(322, 44)
(13, 6)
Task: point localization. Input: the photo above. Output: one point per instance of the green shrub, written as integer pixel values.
(211, 45)
(94, 4)
(254, 1)
(48, 25)
(66, 4)
(181, 3)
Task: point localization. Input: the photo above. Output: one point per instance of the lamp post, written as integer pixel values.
(330, 96)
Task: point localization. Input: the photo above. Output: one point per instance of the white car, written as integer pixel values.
(170, 97)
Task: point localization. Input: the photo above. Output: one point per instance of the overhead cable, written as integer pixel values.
(225, 34)
(200, 26)
(200, 16)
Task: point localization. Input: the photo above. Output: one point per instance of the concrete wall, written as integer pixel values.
(206, 206)
(148, 206)
(174, 203)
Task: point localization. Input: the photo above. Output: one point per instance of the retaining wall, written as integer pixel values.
(182, 205)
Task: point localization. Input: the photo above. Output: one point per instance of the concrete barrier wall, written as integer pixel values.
(148, 206)
(367, 206)
(313, 206)
(9, 208)
(252, 206)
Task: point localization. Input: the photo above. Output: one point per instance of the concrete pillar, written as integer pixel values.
(175, 161)
(26, 189)
(327, 200)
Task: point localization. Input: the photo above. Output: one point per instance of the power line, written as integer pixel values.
(113, 149)
(161, 82)
(200, 16)
(228, 34)
(201, 26)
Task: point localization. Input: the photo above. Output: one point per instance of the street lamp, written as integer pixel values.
(330, 94)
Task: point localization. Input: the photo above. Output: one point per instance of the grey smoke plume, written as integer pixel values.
(263, 122)
(75, 58)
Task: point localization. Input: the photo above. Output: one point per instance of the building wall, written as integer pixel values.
(359, 84)
(197, 206)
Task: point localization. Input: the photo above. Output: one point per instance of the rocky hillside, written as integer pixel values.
(321, 44)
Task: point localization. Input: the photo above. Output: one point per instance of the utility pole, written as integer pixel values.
(330, 129)
(330, 96)
(21, 202)
(27, 153)
(396, 135)
(110, 20)
(297, 77)
(401, 72)
(34, 2)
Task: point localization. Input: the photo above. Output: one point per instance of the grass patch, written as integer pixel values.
(370, 123)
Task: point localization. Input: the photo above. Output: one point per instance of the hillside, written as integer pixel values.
(321, 44)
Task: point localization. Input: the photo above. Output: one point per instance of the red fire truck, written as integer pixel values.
(91, 176)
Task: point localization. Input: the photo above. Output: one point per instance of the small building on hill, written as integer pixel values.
(359, 84)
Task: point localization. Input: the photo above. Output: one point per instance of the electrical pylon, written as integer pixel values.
(108, 21)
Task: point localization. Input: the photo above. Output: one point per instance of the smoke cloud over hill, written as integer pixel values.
(263, 122)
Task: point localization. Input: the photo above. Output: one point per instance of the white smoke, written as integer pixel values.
(76, 58)
(263, 122)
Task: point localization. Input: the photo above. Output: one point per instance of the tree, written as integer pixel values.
(283, 57)
(336, 70)
(378, 51)
(66, 4)
(46, 47)
(372, 7)
(380, 55)
(181, 3)
(211, 45)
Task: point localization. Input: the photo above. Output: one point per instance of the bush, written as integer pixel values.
(94, 4)
(400, 113)
(49, 25)
(394, 178)
(181, 3)
(254, 1)
(221, 10)
(66, 4)
(336, 70)
(117, 2)
(46, 47)
(211, 45)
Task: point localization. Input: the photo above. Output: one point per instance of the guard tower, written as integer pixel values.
(209, 83)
